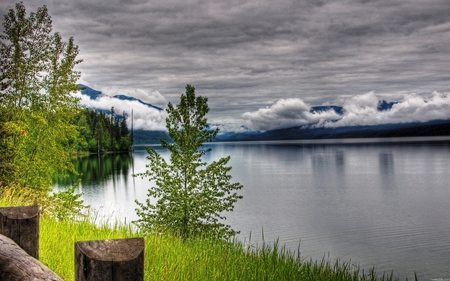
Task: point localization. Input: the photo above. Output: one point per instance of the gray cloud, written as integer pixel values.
(245, 55)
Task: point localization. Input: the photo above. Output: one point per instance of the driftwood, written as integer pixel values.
(17, 265)
(113, 260)
(21, 224)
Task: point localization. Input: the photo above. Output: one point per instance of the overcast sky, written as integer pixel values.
(262, 64)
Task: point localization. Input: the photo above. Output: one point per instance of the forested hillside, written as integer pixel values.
(100, 132)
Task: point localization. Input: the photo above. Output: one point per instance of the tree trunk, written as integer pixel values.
(17, 265)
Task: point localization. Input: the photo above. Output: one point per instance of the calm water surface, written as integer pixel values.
(376, 202)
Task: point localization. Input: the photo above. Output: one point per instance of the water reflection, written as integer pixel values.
(386, 161)
(328, 166)
(98, 169)
(387, 170)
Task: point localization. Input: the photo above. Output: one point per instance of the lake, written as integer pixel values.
(376, 202)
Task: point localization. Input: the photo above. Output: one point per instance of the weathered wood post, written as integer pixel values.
(17, 265)
(21, 224)
(111, 260)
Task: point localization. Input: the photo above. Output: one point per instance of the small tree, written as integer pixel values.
(191, 196)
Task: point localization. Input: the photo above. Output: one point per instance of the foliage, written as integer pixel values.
(61, 205)
(191, 195)
(66, 204)
(100, 133)
(37, 109)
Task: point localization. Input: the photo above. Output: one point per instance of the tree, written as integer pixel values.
(191, 196)
(37, 110)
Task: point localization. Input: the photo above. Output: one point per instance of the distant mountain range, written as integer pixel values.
(431, 128)
(94, 94)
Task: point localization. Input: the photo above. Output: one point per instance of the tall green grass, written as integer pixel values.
(169, 258)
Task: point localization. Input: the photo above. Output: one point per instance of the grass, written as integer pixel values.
(168, 258)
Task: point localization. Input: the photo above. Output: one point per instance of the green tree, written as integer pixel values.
(124, 137)
(191, 196)
(37, 110)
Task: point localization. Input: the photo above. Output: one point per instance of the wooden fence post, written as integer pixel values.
(17, 265)
(21, 224)
(111, 260)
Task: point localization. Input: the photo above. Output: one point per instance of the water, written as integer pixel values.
(376, 202)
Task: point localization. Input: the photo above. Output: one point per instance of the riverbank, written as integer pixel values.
(168, 258)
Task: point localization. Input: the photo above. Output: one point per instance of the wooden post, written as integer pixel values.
(21, 224)
(17, 265)
(111, 260)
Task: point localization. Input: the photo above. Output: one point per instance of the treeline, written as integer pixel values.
(102, 132)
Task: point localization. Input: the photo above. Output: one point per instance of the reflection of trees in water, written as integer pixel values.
(386, 163)
(333, 158)
(97, 168)
(328, 166)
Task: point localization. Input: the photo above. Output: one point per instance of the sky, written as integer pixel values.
(263, 64)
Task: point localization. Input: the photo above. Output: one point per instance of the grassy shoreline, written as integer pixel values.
(168, 258)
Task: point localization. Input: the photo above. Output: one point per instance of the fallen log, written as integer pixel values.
(17, 265)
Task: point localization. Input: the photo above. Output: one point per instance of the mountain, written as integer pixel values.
(431, 128)
(382, 106)
(94, 94)
(317, 109)
(123, 97)
(149, 137)
(91, 93)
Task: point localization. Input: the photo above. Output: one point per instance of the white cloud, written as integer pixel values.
(358, 110)
(286, 113)
(362, 110)
(144, 117)
(152, 96)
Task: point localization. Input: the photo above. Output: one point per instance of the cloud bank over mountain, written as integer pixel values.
(144, 116)
(287, 113)
(367, 109)
(153, 97)
(357, 110)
